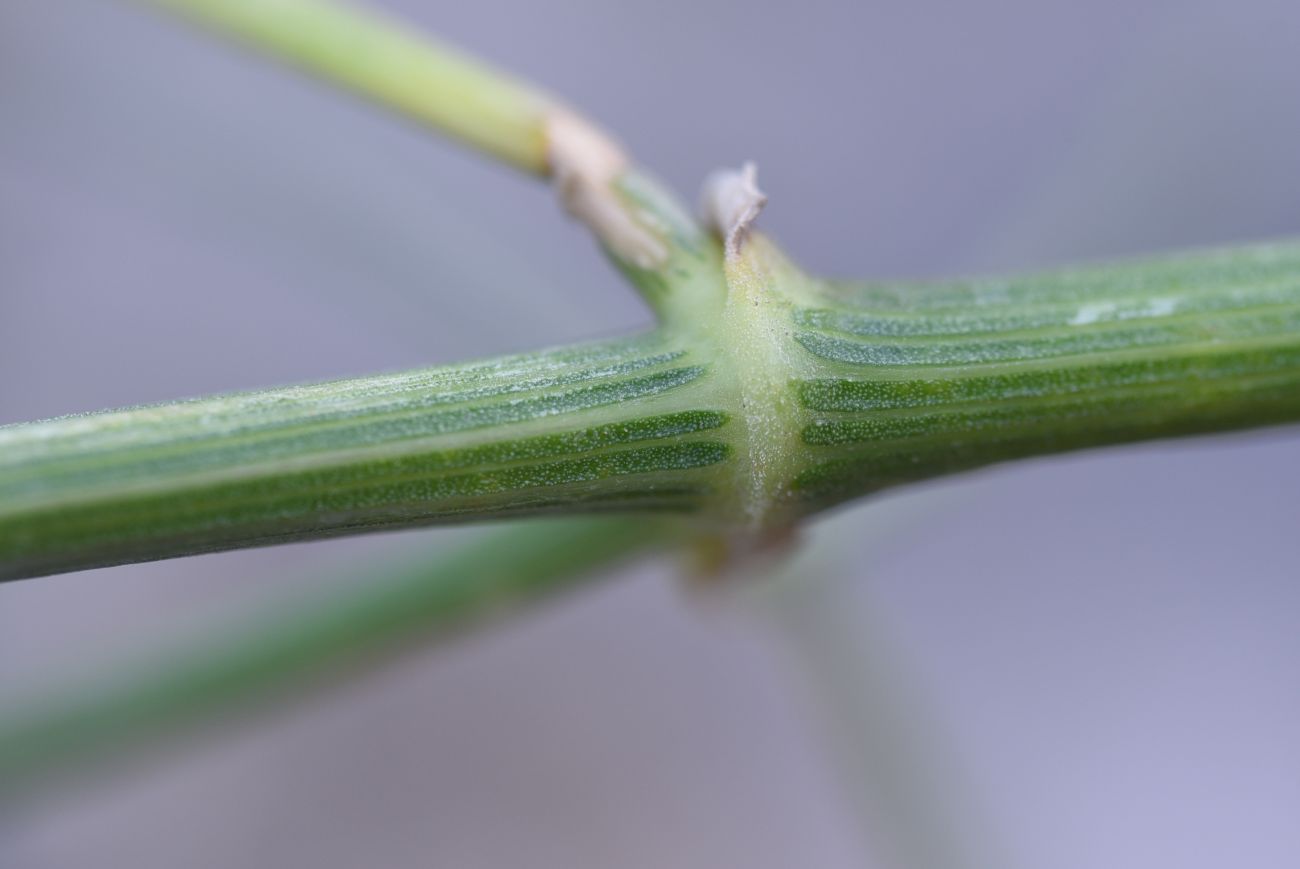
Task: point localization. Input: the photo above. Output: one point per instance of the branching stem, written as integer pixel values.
(764, 396)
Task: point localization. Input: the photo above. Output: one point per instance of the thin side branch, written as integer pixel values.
(427, 81)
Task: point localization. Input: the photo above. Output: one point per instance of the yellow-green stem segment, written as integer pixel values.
(385, 63)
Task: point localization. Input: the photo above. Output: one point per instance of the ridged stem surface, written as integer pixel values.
(912, 381)
(627, 425)
(787, 396)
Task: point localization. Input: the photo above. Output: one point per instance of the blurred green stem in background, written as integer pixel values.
(898, 764)
(287, 653)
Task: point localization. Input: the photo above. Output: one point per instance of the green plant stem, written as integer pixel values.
(895, 382)
(288, 653)
(749, 418)
(436, 85)
(614, 426)
(385, 63)
(765, 395)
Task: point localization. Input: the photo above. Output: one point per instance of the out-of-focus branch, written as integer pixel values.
(288, 653)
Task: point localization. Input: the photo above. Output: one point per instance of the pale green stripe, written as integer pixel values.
(1220, 326)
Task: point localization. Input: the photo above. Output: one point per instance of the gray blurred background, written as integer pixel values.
(1091, 660)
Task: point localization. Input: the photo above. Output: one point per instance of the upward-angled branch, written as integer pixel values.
(434, 84)
(388, 65)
